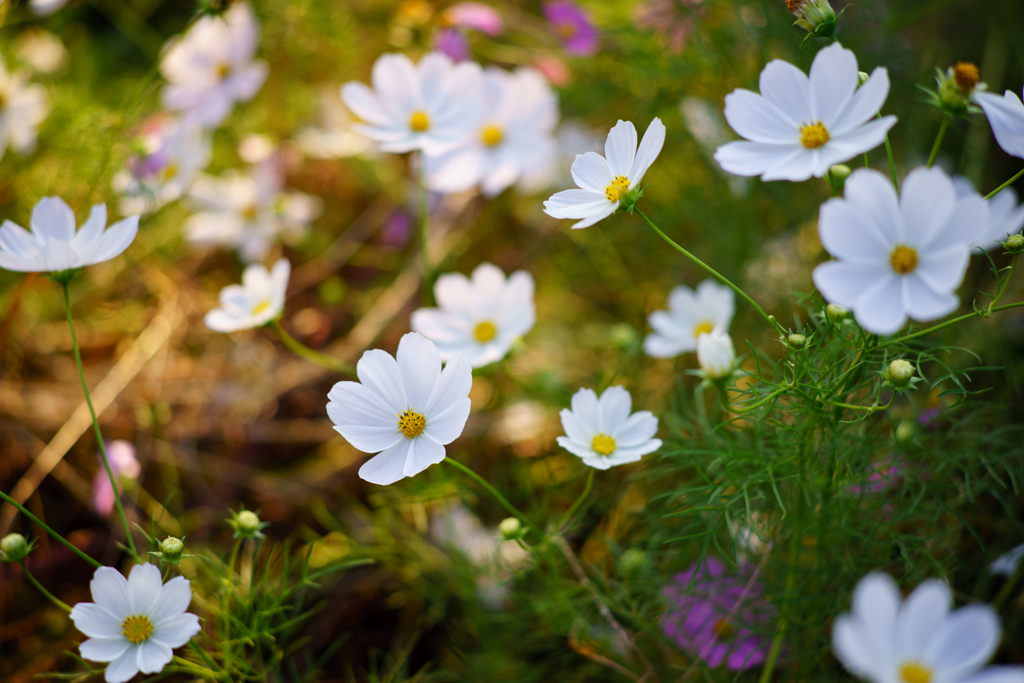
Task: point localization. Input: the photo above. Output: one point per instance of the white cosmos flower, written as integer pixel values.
(603, 180)
(715, 354)
(1006, 116)
(1007, 563)
(408, 409)
(479, 318)
(257, 301)
(602, 432)
(23, 106)
(136, 622)
(798, 126)
(897, 257)
(432, 106)
(212, 66)
(1006, 216)
(53, 245)
(514, 135)
(888, 640)
(690, 313)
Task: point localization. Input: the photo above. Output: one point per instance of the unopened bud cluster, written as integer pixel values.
(815, 16)
(247, 524)
(900, 373)
(1015, 244)
(14, 548)
(957, 86)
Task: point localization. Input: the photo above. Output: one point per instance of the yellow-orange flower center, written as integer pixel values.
(169, 171)
(603, 444)
(615, 190)
(914, 672)
(794, 6)
(248, 212)
(137, 629)
(492, 135)
(723, 629)
(260, 307)
(703, 327)
(565, 30)
(411, 423)
(966, 76)
(223, 69)
(814, 135)
(485, 331)
(419, 121)
(903, 259)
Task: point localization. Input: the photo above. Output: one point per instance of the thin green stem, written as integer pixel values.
(721, 278)
(954, 321)
(53, 598)
(750, 409)
(869, 409)
(494, 492)
(303, 351)
(579, 501)
(1002, 285)
(780, 631)
(96, 428)
(892, 161)
(938, 141)
(206, 658)
(423, 220)
(57, 537)
(1005, 185)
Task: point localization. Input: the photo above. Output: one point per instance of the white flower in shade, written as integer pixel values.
(136, 622)
(798, 127)
(514, 136)
(1007, 563)
(254, 303)
(604, 180)
(897, 257)
(1006, 116)
(53, 245)
(408, 409)
(888, 640)
(212, 66)
(715, 354)
(23, 106)
(432, 106)
(690, 314)
(44, 8)
(1005, 215)
(479, 318)
(602, 431)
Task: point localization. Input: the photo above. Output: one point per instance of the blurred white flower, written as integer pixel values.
(479, 318)
(254, 303)
(126, 467)
(1006, 116)
(53, 245)
(571, 139)
(888, 640)
(897, 257)
(41, 50)
(432, 106)
(136, 622)
(1006, 216)
(690, 313)
(604, 180)
(513, 137)
(715, 354)
(23, 106)
(1007, 563)
(405, 411)
(44, 8)
(798, 127)
(603, 432)
(212, 66)
(333, 138)
(706, 125)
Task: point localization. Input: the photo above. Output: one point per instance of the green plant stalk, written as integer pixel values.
(579, 501)
(50, 531)
(938, 141)
(892, 160)
(968, 316)
(750, 409)
(423, 220)
(206, 658)
(1005, 185)
(53, 598)
(306, 353)
(96, 428)
(501, 499)
(780, 632)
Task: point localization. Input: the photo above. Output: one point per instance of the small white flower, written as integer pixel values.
(1006, 116)
(570, 139)
(432, 106)
(690, 314)
(897, 257)
(44, 8)
(798, 126)
(1006, 216)
(479, 318)
(136, 622)
(603, 432)
(604, 180)
(53, 245)
(715, 354)
(254, 303)
(514, 136)
(1007, 563)
(888, 640)
(407, 410)
(212, 66)
(23, 106)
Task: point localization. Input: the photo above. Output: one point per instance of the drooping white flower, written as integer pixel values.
(1006, 116)
(134, 623)
(885, 639)
(479, 318)
(604, 180)
(212, 66)
(1005, 215)
(1007, 563)
(715, 354)
(602, 431)
(897, 257)
(798, 127)
(23, 106)
(254, 303)
(432, 106)
(53, 245)
(406, 411)
(690, 313)
(514, 136)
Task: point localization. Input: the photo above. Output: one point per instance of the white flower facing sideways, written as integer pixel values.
(602, 431)
(432, 106)
(897, 257)
(798, 127)
(23, 106)
(715, 354)
(254, 303)
(690, 314)
(406, 411)
(604, 180)
(1006, 116)
(888, 640)
(1006, 216)
(134, 623)
(53, 244)
(480, 317)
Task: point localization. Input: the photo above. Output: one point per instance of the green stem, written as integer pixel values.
(423, 220)
(494, 492)
(870, 409)
(750, 409)
(721, 278)
(780, 632)
(1005, 185)
(96, 428)
(53, 598)
(1002, 285)
(206, 658)
(968, 316)
(892, 161)
(579, 501)
(938, 141)
(57, 537)
(303, 351)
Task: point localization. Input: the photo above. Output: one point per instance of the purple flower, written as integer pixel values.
(883, 475)
(474, 15)
(718, 617)
(452, 42)
(572, 26)
(126, 470)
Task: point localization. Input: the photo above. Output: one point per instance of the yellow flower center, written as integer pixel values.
(419, 121)
(485, 331)
(703, 327)
(723, 629)
(814, 135)
(903, 259)
(491, 135)
(615, 190)
(137, 629)
(966, 76)
(248, 212)
(223, 69)
(914, 672)
(169, 171)
(565, 30)
(603, 444)
(260, 307)
(411, 423)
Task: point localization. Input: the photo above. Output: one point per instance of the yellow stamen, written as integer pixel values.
(914, 672)
(703, 327)
(565, 30)
(223, 69)
(411, 423)
(485, 331)
(259, 308)
(248, 212)
(603, 444)
(814, 135)
(617, 188)
(491, 135)
(419, 121)
(723, 629)
(903, 259)
(966, 76)
(169, 171)
(137, 629)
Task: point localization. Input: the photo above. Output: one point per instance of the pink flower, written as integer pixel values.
(573, 27)
(554, 69)
(452, 42)
(672, 19)
(883, 475)
(474, 15)
(126, 469)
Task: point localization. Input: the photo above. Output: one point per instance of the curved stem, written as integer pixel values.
(1005, 185)
(780, 632)
(968, 316)
(303, 351)
(53, 598)
(96, 428)
(494, 492)
(938, 141)
(423, 220)
(750, 409)
(579, 501)
(1002, 285)
(57, 537)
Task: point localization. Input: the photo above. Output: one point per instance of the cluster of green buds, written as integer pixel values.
(815, 16)
(247, 524)
(14, 548)
(956, 88)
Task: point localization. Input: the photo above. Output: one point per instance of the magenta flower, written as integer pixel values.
(452, 42)
(718, 617)
(573, 27)
(475, 15)
(126, 471)
(883, 476)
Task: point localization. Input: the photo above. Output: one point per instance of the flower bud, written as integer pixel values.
(796, 341)
(839, 173)
(715, 355)
(900, 372)
(14, 548)
(816, 16)
(510, 528)
(957, 86)
(862, 77)
(171, 548)
(633, 559)
(1015, 244)
(246, 524)
(837, 313)
(905, 431)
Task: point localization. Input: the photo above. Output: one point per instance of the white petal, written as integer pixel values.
(110, 590)
(650, 148)
(848, 235)
(845, 146)
(103, 649)
(595, 217)
(842, 283)
(879, 308)
(658, 346)
(620, 148)
(177, 631)
(18, 241)
(755, 158)
(585, 408)
(876, 603)
(919, 617)
(144, 587)
(361, 418)
(379, 372)
(998, 674)
(591, 172)
(923, 303)
(866, 102)
(850, 648)
(446, 426)
(576, 204)
(833, 79)
(364, 104)
(52, 218)
(874, 196)
(123, 668)
(396, 83)
(153, 656)
(969, 220)
(1006, 116)
(420, 366)
(757, 119)
(173, 600)
(386, 467)
(788, 88)
(454, 384)
(639, 428)
(574, 429)
(964, 642)
(797, 167)
(91, 229)
(97, 621)
(423, 452)
(582, 450)
(613, 409)
(927, 200)
(115, 240)
(57, 255)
